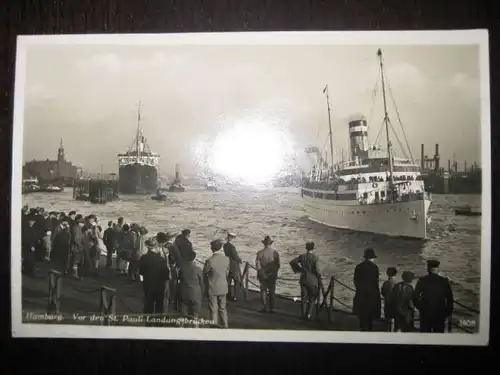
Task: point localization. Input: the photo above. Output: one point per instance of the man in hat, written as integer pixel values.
(216, 270)
(310, 275)
(109, 239)
(77, 245)
(367, 303)
(234, 268)
(184, 244)
(29, 241)
(433, 298)
(267, 263)
(191, 288)
(170, 253)
(72, 217)
(402, 302)
(154, 271)
(61, 246)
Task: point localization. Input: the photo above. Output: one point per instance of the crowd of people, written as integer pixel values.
(165, 263)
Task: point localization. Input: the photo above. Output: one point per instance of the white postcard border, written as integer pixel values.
(448, 37)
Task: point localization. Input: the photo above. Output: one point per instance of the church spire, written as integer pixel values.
(60, 152)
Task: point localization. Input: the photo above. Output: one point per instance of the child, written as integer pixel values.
(386, 292)
(403, 303)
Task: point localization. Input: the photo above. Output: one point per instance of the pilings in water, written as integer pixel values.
(95, 191)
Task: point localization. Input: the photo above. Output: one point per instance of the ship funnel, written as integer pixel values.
(436, 158)
(358, 135)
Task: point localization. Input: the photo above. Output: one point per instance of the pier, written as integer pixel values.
(112, 294)
(95, 191)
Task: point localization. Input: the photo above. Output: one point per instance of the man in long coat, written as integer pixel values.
(433, 298)
(234, 276)
(154, 271)
(367, 303)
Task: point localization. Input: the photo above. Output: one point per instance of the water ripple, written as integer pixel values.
(455, 240)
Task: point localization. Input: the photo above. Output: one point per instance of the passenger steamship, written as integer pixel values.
(138, 167)
(374, 191)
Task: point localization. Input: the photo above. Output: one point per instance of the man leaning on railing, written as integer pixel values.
(307, 265)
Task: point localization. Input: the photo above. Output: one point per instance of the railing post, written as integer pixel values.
(108, 304)
(54, 292)
(246, 271)
(449, 322)
(331, 296)
(321, 290)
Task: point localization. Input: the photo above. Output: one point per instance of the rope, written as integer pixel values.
(399, 119)
(337, 281)
(374, 96)
(379, 132)
(86, 291)
(397, 138)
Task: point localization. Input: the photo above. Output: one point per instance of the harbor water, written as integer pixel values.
(252, 214)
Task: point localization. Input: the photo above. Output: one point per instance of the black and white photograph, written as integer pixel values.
(267, 186)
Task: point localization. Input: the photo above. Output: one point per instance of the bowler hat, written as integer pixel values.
(432, 263)
(186, 232)
(216, 244)
(369, 254)
(310, 245)
(80, 220)
(163, 237)
(72, 213)
(267, 240)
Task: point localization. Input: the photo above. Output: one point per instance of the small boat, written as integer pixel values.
(467, 211)
(160, 195)
(210, 186)
(53, 189)
(176, 187)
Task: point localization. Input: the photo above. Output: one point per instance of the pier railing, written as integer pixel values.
(464, 318)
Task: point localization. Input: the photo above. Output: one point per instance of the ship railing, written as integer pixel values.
(464, 318)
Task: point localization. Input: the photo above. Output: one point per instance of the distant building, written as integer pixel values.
(51, 169)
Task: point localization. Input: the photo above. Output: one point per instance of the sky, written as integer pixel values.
(245, 99)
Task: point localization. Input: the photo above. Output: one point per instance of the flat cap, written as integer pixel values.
(216, 244)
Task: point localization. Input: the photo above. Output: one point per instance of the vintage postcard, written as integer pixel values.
(285, 186)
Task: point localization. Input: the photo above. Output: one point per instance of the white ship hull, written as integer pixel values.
(401, 219)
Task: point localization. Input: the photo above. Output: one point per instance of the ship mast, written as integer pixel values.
(386, 122)
(330, 134)
(138, 135)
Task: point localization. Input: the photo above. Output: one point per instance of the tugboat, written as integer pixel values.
(160, 195)
(176, 186)
(53, 189)
(211, 186)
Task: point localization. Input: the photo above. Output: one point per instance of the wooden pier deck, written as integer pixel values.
(84, 297)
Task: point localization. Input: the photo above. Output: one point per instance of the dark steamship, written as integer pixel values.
(138, 167)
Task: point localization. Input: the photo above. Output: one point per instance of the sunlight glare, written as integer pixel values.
(252, 153)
